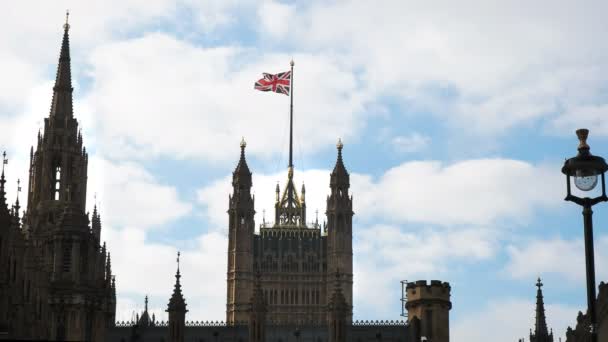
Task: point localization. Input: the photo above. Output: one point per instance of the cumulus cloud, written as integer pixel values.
(392, 229)
(196, 96)
(509, 319)
(130, 196)
(474, 192)
(557, 258)
(386, 254)
(485, 66)
(201, 269)
(595, 117)
(413, 142)
(478, 191)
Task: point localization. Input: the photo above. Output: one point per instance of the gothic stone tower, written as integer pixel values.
(430, 305)
(240, 243)
(295, 259)
(81, 290)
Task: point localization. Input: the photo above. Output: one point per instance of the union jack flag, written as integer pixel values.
(279, 83)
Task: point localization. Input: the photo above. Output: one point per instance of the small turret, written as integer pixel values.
(541, 332)
(241, 177)
(177, 310)
(431, 305)
(144, 319)
(339, 176)
(5, 215)
(109, 271)
(339, 211)
(96, 224)
(241, 227)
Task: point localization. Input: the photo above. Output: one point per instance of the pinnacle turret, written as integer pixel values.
(177, 302)
(339, 175)
(96, 223)
(241, 177)
(2, 182)
(541, 333)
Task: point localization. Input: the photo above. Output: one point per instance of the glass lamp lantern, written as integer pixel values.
(586, 169)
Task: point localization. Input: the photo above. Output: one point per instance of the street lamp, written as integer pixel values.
(587, 170)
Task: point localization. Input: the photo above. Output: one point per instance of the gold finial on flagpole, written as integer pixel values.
(292, 63)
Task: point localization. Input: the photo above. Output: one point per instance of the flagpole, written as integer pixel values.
(291, 119)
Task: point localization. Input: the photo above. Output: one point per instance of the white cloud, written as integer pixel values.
(384, 255)
(478, 192)
(129, 196)
(470, 200)
(595, 118)
(484, 66)
(275, 18)
(413, 142)
(148, 268)
(471, 192)
(556, 258)
(507, 320)
(167, 97)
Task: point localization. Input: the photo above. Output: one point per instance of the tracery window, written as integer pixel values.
(57, 182)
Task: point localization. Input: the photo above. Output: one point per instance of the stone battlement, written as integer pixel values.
(423, 291)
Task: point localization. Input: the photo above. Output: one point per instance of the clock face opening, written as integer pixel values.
(585, 183)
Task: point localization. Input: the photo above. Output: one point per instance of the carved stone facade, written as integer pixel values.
(56, 280)
(295, 259)
(292, 279)
(580, 333)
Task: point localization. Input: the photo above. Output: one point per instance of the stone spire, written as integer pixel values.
(61, 106)
(241, 177)
(177, 302)
(144, 320)
(96, 224)
(3, 181)
(17, 206)
(58, 167)
(177, 310)
(339, 175)
(541, 333)
(5, 215)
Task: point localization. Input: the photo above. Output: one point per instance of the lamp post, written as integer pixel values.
(586, 169)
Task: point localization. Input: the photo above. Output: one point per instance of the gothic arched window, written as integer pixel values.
(57, 182)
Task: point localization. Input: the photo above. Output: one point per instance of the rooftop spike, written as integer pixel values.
(3, 180)
(17, 206)
(241, 177)
(339, 175)
(61, 106)
(177, 302)
(541, 333)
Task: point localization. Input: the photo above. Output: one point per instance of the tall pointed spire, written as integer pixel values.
(3, 181)
(241, 177)
(96, 224)
(177, 302)
(339, 175)
(541, 333)
(61, 106)
(17, 206)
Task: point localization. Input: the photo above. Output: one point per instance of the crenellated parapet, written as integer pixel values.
(430, 304)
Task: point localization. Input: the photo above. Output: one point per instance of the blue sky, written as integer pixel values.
(456, 119)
